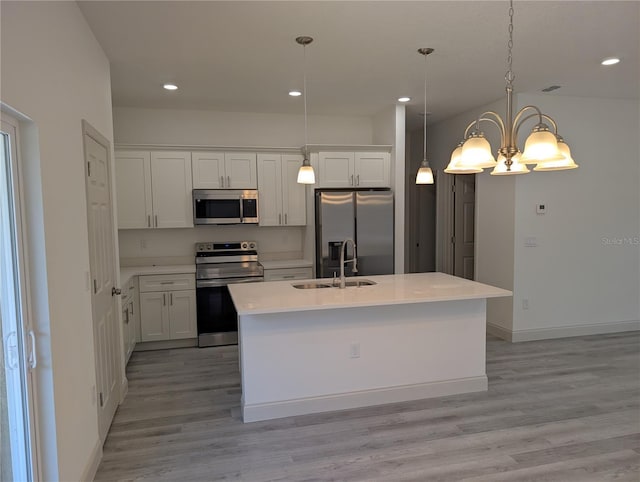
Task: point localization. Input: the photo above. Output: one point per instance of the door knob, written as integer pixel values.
(115, 291)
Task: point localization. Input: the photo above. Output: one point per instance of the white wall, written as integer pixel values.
(160, 243)
(574, 279)
(206, 127)
(389, 129)
(55, 73)
(575, 282)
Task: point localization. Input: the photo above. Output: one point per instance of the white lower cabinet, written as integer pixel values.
(130, 317)
(283, 274)
(167, 309)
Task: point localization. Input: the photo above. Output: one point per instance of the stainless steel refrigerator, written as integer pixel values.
(366, 216)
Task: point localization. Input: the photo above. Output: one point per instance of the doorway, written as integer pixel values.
(18, 458)
(102, 265)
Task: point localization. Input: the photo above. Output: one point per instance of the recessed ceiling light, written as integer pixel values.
(610, 61)
(295, 93)
(170, 86)
(404, 99)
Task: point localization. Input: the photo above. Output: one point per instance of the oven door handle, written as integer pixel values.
(213, 283)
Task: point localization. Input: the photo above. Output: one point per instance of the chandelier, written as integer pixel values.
(544, 147)
(425, 174)
(305, 173)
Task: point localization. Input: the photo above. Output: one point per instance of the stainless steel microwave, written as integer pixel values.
(225, 206)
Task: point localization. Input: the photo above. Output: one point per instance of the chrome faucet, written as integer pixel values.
(353, 260)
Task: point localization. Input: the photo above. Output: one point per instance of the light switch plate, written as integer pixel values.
(541, 208)
(531, 241)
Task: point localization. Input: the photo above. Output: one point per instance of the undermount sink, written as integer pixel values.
(311, 285)
(359, 282)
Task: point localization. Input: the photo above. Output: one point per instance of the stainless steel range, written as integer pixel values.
(218, 265)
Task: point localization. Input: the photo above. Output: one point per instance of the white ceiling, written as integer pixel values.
(241, 56)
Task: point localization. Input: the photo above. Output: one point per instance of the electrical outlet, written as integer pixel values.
(354, 350)
(525, 304)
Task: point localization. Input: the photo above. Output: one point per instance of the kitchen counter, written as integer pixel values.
(127, 272)
(408, 337)
(281, 296)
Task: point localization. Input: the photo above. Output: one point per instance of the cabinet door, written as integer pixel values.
(270, 189)
(240, 168)
(336, 169)
(294, 196)
(182, 314)
(154, 316)
(133, 189)
(372, 169)
(208, 170)
(171, 189)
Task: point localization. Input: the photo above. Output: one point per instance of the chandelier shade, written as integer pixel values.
(517, 167)
(544, 147)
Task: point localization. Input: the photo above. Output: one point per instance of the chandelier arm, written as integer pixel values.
(521, 121)
(527, 108)
(476, 122)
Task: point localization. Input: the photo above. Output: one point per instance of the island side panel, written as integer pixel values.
(303, 362)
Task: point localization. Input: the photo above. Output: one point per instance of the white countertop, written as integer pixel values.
(281, 296)
(127, 272)
(286, 263)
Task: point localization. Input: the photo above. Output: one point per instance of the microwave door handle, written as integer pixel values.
(241, 209)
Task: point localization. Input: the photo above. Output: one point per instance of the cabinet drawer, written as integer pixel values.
(283, 274)
(167, 282)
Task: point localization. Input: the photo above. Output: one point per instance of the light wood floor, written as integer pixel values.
(559, 410)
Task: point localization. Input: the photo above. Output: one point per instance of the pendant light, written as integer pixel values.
(543, 147)
(305, 173)
(425, 174)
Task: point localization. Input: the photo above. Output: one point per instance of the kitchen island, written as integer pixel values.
(406, 337)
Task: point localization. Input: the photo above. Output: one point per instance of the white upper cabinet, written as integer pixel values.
(282, 201)
(133, 187)
(153, 189)
(354, 169)
(171, 188)
(224, 170)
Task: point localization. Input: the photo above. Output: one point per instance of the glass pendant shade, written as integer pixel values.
(516, 168)
(476, 152)
(566, 163)
(425, 174)
(541, 146)
(306, 174)
(454, 164)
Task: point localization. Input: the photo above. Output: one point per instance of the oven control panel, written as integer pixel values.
(226, 246)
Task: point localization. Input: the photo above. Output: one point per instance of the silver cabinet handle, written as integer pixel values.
(166, 282)
(358, 180)
(148, 220)
(279, 218)
(156, 220)
(33, 358)
(228, 181)
(285, 218)
(288, 276)
(131, 305)
(351, 181)
(126, 316)
(164, 299)
(171, 299)
(221, 181)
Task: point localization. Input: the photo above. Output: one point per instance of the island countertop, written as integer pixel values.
(281, 296)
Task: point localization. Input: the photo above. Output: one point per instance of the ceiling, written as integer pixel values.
(241, 56)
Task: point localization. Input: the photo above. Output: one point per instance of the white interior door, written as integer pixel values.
(107, 339)
(18, 447)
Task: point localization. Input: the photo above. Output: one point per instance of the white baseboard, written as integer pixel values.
(562, 331)
(166, 344)
(365, 398)
(499, 331)
(89, 472)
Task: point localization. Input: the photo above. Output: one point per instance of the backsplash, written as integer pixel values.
(273, 242)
